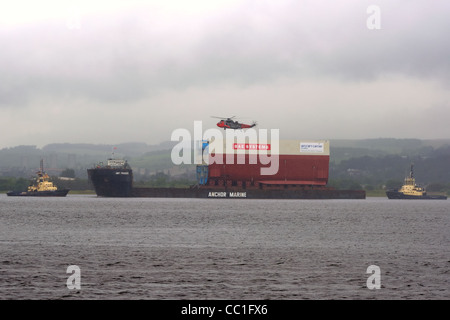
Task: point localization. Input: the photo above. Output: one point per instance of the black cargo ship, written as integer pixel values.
(300, 176)
(113, 181)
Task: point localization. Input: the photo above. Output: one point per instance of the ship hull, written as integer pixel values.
(111, 182)
(402, 196)
(57, 193)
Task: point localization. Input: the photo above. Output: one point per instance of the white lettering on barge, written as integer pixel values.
(238, 194)
(223, 194)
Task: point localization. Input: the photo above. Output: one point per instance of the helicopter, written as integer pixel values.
(229, 123)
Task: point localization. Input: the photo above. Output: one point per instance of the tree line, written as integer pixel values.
(389, 171)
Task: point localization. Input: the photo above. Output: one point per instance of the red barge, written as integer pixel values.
(289, 169)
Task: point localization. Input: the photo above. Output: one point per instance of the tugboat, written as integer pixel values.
(42, 187)
(412, 191)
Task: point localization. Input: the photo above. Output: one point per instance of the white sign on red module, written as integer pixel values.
(311, 147)
(251, 146)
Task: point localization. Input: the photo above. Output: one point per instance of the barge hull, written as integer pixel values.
(246, 193)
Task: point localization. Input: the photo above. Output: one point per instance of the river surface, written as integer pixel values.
(147, 248)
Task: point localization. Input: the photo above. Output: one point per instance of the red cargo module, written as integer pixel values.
(286, 164)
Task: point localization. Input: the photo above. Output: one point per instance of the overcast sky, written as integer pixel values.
(120, 71)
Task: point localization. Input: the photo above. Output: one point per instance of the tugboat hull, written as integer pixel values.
(57, 193)
(399, 195)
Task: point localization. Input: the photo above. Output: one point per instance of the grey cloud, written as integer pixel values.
(120, 58)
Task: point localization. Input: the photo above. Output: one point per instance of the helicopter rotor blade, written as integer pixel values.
(228, 118)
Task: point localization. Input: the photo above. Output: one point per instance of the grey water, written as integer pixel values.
(154, 248)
